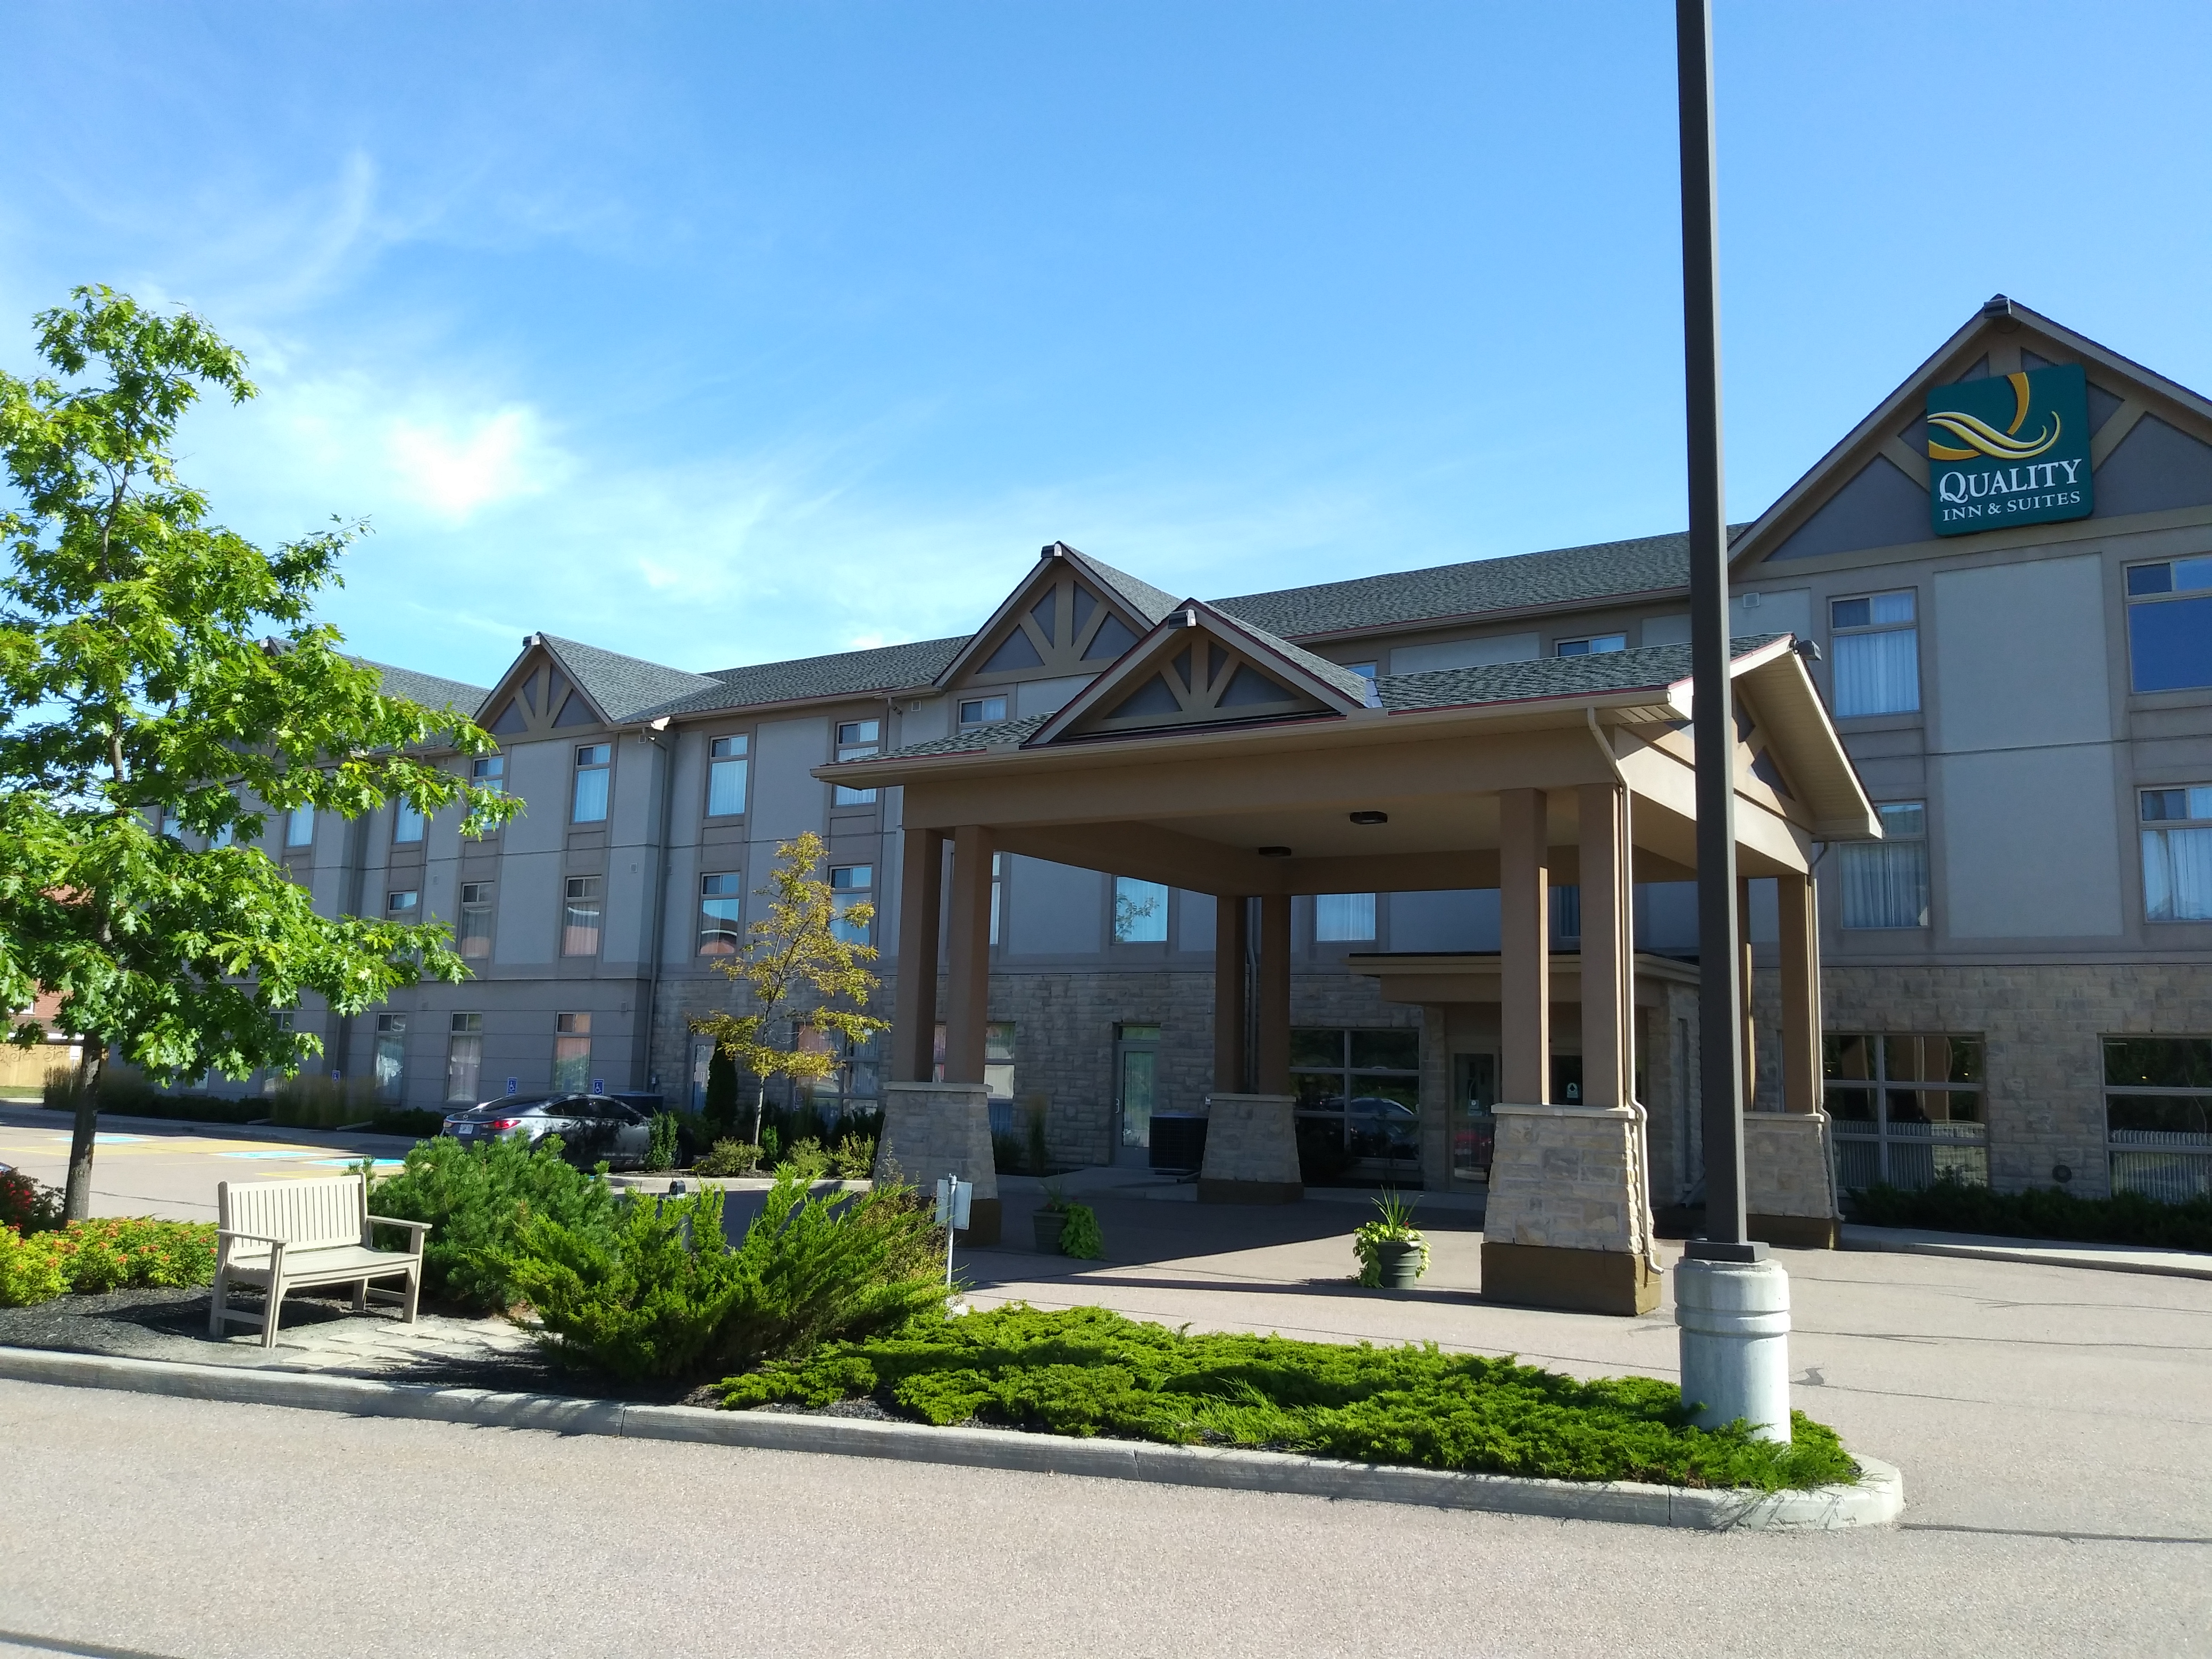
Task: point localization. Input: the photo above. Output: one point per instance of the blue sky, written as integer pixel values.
(726, 333)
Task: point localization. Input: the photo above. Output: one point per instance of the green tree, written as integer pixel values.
(798, 965)
(157, 669)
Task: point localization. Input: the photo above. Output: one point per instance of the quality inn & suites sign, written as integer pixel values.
(2011, 449)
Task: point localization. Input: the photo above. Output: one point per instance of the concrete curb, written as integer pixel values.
(2030, 1251)
(1875, 1499)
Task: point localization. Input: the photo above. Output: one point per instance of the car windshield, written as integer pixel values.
(509, 1105)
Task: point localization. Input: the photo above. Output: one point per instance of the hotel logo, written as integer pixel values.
(2011, 449)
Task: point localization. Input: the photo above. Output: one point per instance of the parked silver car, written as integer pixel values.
(594, 1129)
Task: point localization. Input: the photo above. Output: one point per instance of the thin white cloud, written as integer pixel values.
(483, 461)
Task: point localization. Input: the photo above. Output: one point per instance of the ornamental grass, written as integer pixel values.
(1090, 1371)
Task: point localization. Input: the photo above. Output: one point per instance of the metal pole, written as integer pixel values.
(1713, 716)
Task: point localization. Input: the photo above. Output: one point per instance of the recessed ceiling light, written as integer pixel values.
(1274, 852)
(1370, 818)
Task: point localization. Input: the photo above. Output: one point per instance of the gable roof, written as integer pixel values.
(1056, 561)
(910, 667)
(431, 691)
(1895, 495)
(621, 688)
(1451, 593)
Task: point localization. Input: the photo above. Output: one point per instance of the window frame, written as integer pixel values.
(571, 902)
(408, 827)
(1952, 1142)
(602, 768)
(571, 1030)
(1114, 933)
(844, 895)
(736, 761)
(1851, 851)
(2133, 1157)
(1840, 632)
(961, 705)
(1353, 906)
(1593, 645)
(390, 1086)
(2133, 601)
(301, 817)
(2193, 823)
(483, 901)
(393, 909)
(735, 930)
(460, 1037)
(857, 747)
(1314, 1121)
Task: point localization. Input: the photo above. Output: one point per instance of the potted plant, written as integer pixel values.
(1392, 1252)
(1050, 1222)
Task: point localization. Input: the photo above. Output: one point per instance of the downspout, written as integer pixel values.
(660, 891)
(1639, 1177)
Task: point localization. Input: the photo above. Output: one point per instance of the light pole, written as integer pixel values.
(1731, 1303)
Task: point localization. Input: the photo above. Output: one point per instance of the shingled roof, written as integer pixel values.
(842, 673)
(1603, 673)
(431, 691)
(1446, 592)
(625, 688)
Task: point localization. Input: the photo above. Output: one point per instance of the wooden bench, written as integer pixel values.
(289, 1235)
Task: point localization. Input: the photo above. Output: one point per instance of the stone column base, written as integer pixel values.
(932, 1130)
(1251, 1151)
(1789, 1189)
(1565, 1221)
(1569, 1280)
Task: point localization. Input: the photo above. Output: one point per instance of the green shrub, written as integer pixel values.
(727, 1158)
(475, 1199)
(28, 1205)
(855, 1159)
(721, 1106)
(313, 1100)
(1086, 1371)
(107, 1255)
(1008, 1155)
(771, 1143)
(1034, 1112)
(660, 1151)
(662, 1294)
(132, 1096)
(1392, 1224)
(806, 1161)
(1952, 1204)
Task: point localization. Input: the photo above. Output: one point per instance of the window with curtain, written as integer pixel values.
(299, 826)
(475, 931)
(465, 1057)
(856, 740)
(725, 776)
(580, 925)
(391, 1057)
(572, 1051)
(1877, 646)
(1886, 882)
(2177, 854)
(1344, 918)
(406, 822)
(1140, 911)
(592, 763)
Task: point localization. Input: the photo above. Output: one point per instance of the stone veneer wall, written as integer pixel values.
(2042, 1028)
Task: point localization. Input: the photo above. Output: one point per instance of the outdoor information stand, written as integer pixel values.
(954, 1197)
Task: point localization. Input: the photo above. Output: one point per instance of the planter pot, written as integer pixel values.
(1401, 1263)
(1048, 1223)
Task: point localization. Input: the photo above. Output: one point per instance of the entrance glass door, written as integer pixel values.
(1136, 1077)
(1474, 1131)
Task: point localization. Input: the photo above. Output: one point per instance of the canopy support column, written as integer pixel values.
(1789, 1165)
(1251, 1140)
(914, 1002)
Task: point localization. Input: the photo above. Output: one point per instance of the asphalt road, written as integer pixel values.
(147, 1526)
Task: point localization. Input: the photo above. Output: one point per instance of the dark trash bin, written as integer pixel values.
(1178, 1141)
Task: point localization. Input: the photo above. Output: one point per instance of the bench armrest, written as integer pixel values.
(415, 1230)
(393, 1221)
(258, 1238)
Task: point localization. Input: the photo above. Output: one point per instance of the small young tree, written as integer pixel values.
(799, 968)
(152, 665)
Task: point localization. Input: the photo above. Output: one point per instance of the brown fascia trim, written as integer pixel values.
(1459, 618)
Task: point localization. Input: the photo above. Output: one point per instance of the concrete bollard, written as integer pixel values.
(1734, 1320)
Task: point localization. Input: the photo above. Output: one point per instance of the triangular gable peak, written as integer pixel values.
(538, 696)
(1871, 489)
(1202, 668)
(1070, 615)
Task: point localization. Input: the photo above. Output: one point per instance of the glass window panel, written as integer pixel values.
(2158, 1062)
(1850, 613)
(490, 772)
(572, 1063)
(299, 826)
(2192, 575)
(2177, 875)
(1878, 674)
(1849, 1105)
(2159, 804)
(721, 914)
(1884, 884)
(849, 731)
(406, 822)
(999, 1040)
(1316, 1046)
(1319, 1091)
(727, 748)
(848, 878)
(1343, 917)
(475, 929)
(1847, 1057)
(2170, 644)
(2150, 578)
(591, 805)
(1140, 912)
(725, 788)
(1389, 1050)
(1369, 1086)
(2200, 802)
(463, 1063)
(1892, 608)
(982, 711)
(1904, 819)
(402, 906)
(2160, 1114)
